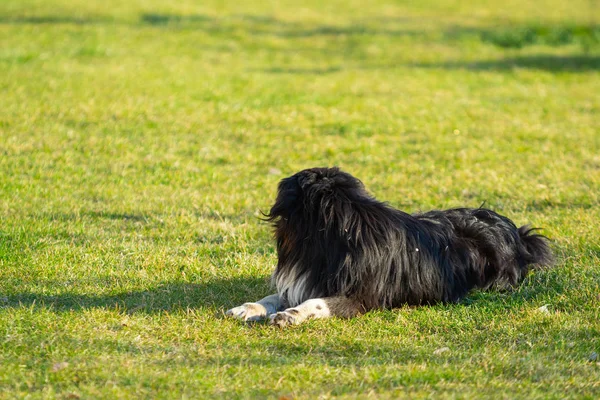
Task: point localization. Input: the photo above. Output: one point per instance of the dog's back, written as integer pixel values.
(499, 253)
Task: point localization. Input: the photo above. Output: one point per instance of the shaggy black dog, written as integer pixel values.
(342, 252)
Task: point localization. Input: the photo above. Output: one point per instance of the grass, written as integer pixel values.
(139, 140)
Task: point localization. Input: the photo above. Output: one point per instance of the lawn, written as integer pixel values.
(140, 140)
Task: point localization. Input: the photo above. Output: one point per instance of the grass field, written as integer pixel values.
(139, 141)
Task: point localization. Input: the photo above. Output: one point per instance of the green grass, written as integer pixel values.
(139, 140)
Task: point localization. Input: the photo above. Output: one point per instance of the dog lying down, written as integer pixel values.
(341, 252)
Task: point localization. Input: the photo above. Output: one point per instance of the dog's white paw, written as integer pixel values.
(284, 318)
(248, 312)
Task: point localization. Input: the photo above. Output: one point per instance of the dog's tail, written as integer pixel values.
(535, 248)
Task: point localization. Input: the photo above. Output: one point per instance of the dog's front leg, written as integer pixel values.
(317, 308)
(256, 311)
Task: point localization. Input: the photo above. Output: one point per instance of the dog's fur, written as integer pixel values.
(341, 252)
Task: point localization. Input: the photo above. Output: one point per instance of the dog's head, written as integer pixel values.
(314, 189)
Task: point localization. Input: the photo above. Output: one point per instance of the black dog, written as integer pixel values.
(341, 252)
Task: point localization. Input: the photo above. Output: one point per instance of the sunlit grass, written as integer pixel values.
(140, 140)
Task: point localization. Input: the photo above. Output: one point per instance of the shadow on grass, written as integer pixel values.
(53, 20)
(509, 36)
(226, 293)
(266, 25)
(350, 41)
(505, 36)
(302, 71)
(546, 205)
(354, 58)
(174, 19)
(220, 293)
(99, 215)
(550, 63)
(145, 217)
(542, 62)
